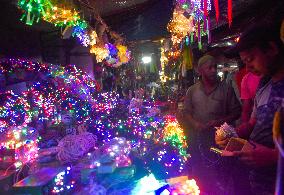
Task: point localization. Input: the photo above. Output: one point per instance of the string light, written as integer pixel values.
(69, 89)
(174, 134)
(63, 182)
(34, 9)
(100, 51)
(93, 38)
(180, 26)
(79, 31)
(164, 60)
(62, 17)
(187, 187)
(23, 141)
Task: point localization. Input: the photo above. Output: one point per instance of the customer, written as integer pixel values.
(208, 103)
(261, 47)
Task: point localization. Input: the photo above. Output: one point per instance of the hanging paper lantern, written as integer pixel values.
(34, 9)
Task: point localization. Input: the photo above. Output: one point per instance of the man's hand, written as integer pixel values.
(244, 130)
(259, 156)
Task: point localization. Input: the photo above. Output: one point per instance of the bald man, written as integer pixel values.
(208, 104)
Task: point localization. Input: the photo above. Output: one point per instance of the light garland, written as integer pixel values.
(23, 141)
(79, 31)
(180, 26)
(37, 9)
(191, 17)
(100, 52)
(63, 182)
(34, 9)
(62, 17)
(164, 60)
(174, 134)
(93, 38)
(69, 89)
(43, 97)
(147, 185)
(123, 54)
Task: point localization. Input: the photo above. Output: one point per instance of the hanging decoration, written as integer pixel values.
(93, 38)
(80, 32)
(63, 182)
(230, 14)
(123, 54)
(164, 60)
(190, 17)
(180, 25)
(182, 185)
(34, 10)
(62, 17)
(21, 142)
(217, 12)
(100, 51)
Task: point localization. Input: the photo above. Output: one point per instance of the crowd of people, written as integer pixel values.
(210, 103)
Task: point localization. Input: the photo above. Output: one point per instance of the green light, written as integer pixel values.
(185, 6)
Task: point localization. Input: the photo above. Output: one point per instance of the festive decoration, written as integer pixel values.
(230, 15)
(73, 147)
(183, 186)
(156, 140)
(59, 16)
(93, 38)
(34, 9)
(147, 185)
(123, 54)
(79, 31)
(62, 17)
(164, 60)
(174, 134)
(226, 131)
(22, 143)
(63, 183)
(190, 17)
(100, 51)
(61, 86)
(180, 25)
(217, 12)
(117, 149)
